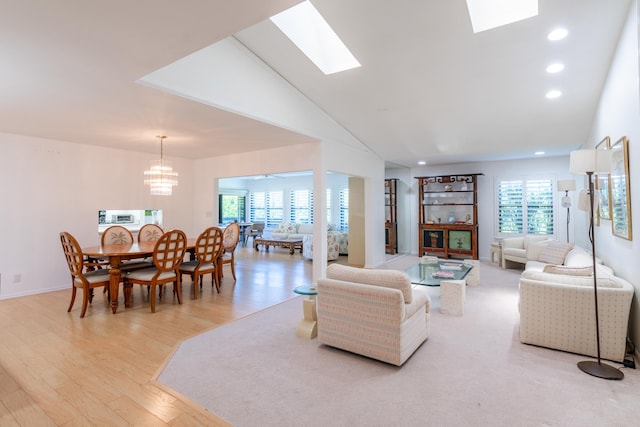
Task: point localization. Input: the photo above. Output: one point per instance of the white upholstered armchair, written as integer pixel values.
(515, 248)
(375, 313)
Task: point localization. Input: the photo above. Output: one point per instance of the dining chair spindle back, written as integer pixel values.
(167, 257)
(208, 250)
(86, 281)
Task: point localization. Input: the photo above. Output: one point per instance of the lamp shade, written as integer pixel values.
(566, 185)
(583, 201)
(587, 161)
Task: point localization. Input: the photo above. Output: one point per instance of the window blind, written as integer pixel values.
(525, 206)
(301, 206)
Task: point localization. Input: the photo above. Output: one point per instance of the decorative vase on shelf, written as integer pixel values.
(452, 218)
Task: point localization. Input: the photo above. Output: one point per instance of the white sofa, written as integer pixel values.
(557, 304)
(292, 230)
(515, 248)
(374, 313)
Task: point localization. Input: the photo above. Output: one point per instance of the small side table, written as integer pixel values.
(496, 253)
(308, 326)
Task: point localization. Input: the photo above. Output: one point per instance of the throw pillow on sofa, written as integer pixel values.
(565, 279)
(288, 227)
(571, 271)
(554, 252)
(534, 249)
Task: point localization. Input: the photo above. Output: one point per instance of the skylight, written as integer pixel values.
(488, 14)
(308, 30)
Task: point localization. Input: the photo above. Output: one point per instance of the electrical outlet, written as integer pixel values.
(17, 278)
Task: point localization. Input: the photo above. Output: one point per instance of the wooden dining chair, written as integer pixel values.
(208, 250)
(167, 257)
(230, 238)
(79, 279)
(150, 233)
(116, 235)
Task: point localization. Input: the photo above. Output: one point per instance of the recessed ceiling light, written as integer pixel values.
(558, 34)
(308, 30)
(552, 94)
(488, 14)
(539, 153)
(422, 163)
(555, 68)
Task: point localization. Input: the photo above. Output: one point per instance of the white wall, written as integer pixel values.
(51, 186)
(618, 115)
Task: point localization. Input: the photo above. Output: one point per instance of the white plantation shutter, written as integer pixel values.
(525, 206)
(267, 207)
(301, 205)
(344, 209)
(258, 207)
(510, 209)
(329, 219)
(539, 206)
(275, 208)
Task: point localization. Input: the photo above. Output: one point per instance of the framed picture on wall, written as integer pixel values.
(619, 195)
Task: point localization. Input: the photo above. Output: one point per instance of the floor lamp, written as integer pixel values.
(567, 185)
(588, 162)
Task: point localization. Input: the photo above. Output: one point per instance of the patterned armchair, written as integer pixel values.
(375, 313)
(333, 245)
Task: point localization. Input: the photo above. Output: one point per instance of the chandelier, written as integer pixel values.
(160, 177)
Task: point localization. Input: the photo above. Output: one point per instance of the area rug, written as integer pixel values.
(472, 371)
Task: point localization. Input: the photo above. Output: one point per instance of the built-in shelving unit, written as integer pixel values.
(391, 215)
(448, 215)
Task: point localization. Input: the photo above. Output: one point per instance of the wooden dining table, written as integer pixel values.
(117, 254)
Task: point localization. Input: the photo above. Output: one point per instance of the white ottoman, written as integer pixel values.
(452, 295)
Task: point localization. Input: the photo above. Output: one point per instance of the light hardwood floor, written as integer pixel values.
(58, 369)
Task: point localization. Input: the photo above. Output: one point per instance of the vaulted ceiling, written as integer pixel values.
(428, 89)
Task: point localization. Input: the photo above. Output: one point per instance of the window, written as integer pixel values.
(231, 207)
(267, 207)
(301, 206)
(329, 206)
(344, 209)
(525, 206)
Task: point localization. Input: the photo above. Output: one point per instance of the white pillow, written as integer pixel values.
(554, 252)
(565, 279)
(534, 249)
(570, 271)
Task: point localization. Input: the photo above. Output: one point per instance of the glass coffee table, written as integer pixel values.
(432, 273)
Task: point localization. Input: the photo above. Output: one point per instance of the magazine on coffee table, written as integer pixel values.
(443, 275)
